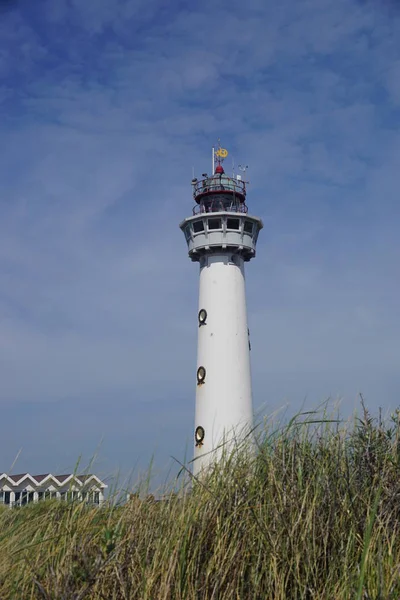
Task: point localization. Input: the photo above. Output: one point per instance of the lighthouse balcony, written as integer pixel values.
(221, 231)
(217, 185)
(218, 204)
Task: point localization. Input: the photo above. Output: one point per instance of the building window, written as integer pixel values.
(214, 224)
(96, 497)
(198, 226)
(248, 227)
(4, 497)
(233, 224)
(26, 497)
(49, 494)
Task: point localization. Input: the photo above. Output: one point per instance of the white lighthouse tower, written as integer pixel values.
(221, 236)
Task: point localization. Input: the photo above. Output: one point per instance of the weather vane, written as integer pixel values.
(219, 154)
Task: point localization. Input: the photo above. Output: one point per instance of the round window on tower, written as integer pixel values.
(199, 435)
(202, 317)
(201, 375)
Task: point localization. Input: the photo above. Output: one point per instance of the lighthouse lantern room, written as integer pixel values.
(221, 236)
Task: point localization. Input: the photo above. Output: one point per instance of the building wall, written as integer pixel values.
(18, 494)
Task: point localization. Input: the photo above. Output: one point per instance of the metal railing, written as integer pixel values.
(216, 184)
(216, 207)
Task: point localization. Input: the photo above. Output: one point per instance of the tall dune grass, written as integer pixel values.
(314, 515)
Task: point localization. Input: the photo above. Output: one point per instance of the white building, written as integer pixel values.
(221, 236)
(17, 490)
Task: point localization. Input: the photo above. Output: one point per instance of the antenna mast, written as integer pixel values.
(243, 168)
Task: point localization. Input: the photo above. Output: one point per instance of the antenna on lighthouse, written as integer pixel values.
(243, 169)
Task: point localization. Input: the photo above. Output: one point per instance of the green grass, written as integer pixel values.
(314, 515)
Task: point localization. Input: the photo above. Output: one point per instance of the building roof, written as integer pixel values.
(60, 480)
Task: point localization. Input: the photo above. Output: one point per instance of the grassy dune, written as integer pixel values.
(315, 515)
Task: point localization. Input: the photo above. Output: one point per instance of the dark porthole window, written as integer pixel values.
(233, 224)
(199, 436)
(201, 375)
(214, 224)
(198, 226)
(248, 227)
(202, 316)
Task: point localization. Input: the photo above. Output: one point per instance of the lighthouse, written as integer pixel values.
(221, 236)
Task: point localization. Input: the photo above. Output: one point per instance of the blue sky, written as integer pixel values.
(105, 108)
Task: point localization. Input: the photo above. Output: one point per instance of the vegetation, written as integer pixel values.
(315, 515)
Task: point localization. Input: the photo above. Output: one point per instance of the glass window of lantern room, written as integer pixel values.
(233, 224)
(248, 227)
(188, 234)
(198, 226)
(214, 224)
